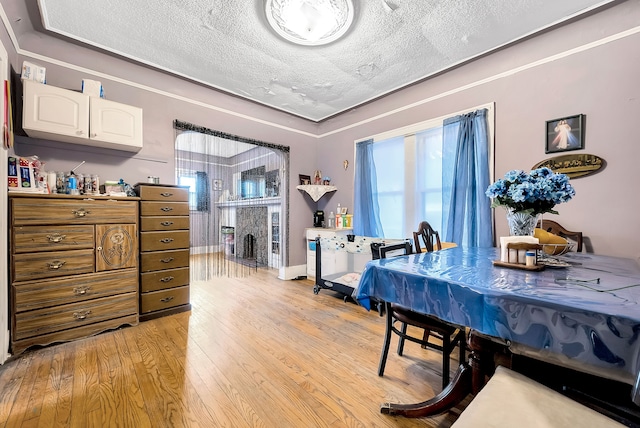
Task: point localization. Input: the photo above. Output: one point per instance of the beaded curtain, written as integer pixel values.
(237, 198)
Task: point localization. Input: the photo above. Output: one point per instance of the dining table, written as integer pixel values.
(582, 312)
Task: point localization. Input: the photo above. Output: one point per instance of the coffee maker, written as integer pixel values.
(318, 218)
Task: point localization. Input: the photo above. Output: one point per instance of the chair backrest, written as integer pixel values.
(430, 238)
(379, 250)
(557, 229)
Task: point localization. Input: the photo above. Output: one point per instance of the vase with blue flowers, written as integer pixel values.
(527, 195)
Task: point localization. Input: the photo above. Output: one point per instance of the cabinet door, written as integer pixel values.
(116, 246)
(116, 123)
(311, 261)
(48, 109)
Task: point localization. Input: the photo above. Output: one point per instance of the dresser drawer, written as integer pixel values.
(161, 193)
(58, 318)
(61, 291)
(28, 239)
(171, 240)
(52, 264)
(34, 211)
(154, 281)
(164, 223)
(164, 208)
(157, 300)
(159, 260)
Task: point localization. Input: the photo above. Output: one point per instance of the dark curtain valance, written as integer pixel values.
(185, 126)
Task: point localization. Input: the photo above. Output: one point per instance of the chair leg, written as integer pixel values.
(462, 343)
(446, 361)
(403, 329)
(425, 338)
(387, 339)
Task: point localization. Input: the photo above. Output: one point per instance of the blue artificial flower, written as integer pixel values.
(535, 192)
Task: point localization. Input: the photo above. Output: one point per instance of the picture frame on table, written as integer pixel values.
(564, 134)
(304, 179)
(216, 184)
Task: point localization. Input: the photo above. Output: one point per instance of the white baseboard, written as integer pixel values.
(292, 272)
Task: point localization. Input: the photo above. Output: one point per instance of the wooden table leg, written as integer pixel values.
(448, 398)
(469, 378)
(485, 355)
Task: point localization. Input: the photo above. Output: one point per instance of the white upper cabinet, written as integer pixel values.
(115, 123)
(52, 110)
(73, 117)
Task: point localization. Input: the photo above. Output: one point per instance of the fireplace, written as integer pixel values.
(252, 234)
(249, 247)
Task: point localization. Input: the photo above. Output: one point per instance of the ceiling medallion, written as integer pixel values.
(310, 22)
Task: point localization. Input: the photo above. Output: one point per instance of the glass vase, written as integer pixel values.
(521, 223)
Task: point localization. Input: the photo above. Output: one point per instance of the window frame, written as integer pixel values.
(409, 134)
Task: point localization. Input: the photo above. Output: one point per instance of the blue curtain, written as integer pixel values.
(366, 212)
(466, 210)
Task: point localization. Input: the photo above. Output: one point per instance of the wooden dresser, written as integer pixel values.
(73, 267)
(164, 249)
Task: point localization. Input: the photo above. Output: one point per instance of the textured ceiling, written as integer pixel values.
(228, 45)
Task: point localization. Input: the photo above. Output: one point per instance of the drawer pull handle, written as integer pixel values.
(167, 299)
(56, 264)
(166, 209)
(80, 212)
(166, 194)
(81, 315)
(166, 240)
(166, 223)
(167, 260)
(166, 279)
(80, 291)
(56, 238)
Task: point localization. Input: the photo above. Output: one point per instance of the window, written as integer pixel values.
(191, 182)
(409, 181)
(199, 192)
(409, 175)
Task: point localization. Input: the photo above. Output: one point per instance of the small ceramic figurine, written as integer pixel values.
(326, 181)
(317, 178)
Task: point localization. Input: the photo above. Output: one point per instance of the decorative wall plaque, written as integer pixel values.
(577, 165)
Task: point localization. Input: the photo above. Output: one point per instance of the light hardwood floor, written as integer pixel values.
(253, 352)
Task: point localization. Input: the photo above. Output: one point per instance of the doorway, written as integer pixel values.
(237, 187)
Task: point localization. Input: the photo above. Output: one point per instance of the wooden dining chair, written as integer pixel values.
(555, 228)
(429, 237)
(448, 335)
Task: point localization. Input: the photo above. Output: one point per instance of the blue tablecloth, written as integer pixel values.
(586, 316)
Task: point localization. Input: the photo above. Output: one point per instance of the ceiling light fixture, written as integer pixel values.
(310, 22)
